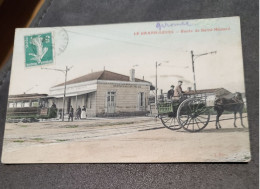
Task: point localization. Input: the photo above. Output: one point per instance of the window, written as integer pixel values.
(43, 103)
(11, 105)
(19, 104)
(35, 104)
(26, 104)
(141, 101)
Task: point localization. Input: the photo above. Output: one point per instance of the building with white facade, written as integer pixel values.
(104, 93)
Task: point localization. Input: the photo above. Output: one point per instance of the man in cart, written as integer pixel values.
(178, 92)
(170, 93)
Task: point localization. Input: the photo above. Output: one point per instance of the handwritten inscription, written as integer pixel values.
(161, 26)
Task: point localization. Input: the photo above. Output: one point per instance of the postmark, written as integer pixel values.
(39, 49)
(61, 40)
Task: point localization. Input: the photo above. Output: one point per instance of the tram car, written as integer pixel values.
(29, 108)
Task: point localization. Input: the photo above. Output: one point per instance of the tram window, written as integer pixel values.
(35, 104)
(26, 104)
(11, 105)
(19, 104)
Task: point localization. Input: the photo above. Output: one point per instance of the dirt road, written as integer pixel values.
(139, 139)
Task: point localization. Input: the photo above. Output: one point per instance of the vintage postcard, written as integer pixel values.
(165, 91)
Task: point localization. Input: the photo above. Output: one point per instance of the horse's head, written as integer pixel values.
(238, 95)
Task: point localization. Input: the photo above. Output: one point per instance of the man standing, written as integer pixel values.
(71, 111)
(178, 92)
(53, 105)
(78, 113)
(53, 111)
(170, 93)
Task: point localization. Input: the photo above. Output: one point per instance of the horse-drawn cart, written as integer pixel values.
(191, 114)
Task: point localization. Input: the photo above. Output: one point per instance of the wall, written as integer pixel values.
(126, 98)
(90, 104)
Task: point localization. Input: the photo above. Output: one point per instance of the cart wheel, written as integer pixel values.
(193, 115)
(170, 121)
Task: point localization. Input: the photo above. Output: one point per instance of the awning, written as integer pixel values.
(73, 94)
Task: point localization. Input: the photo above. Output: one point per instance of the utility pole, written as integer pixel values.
(193, 57)
(156, 83)
(156, 66)
(194, 80)
(65, 84)
(64, 95)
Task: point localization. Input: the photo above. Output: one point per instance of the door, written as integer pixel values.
(111, 102)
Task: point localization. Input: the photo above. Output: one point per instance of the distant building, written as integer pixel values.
(217, 92)
(105, 93)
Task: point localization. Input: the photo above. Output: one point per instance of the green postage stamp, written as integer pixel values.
(38, 49)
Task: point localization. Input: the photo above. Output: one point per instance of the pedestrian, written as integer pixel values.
(71, 112)
(83, 113)
(60, 113)
(78, 113)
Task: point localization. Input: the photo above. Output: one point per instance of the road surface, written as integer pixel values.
(134, 139)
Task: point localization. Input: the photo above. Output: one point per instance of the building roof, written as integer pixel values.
(101, 75)
(203, 91)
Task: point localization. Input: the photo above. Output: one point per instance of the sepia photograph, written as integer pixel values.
(151, 92)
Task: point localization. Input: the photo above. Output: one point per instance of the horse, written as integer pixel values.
(234, 104)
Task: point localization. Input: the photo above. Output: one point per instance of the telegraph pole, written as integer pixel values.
(193, 57)
(156, 83)
(64, 95)
(65, 84)
(193, 71)
(156, 66)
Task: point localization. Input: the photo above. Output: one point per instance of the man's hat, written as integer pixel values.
(180, 81)
(172, 86)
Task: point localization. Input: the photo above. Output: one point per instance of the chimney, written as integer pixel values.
(132, 75)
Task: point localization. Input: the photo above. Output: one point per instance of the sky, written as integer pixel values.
(116, 48)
